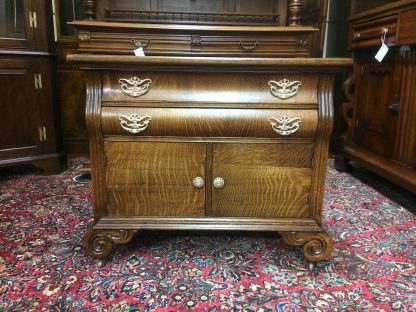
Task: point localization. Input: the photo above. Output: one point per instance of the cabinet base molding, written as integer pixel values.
(99, 241)
(49, 163)
(399, 174)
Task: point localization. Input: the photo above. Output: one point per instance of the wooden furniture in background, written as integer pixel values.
(270, 13)
(382, 133)
(28, 119)
(208, 144)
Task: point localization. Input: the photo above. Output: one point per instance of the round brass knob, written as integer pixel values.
(218, 182)
(198, 182)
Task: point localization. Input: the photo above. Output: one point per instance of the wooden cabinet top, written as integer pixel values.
(221, 62)
(96, 26)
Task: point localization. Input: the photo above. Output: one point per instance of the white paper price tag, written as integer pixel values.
(382, 52)
(139, 52)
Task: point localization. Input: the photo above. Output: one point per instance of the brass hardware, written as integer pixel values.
(135, 86)
(218, 182)
(134, 123)
(284, 88)
(42, 134)
(285, 125)
(302, 43)
(395, 106)
(195, 43)
(248, 46)
(139, 44)
(356, 35)
(33, 21)
(38, 81)
(198, 182)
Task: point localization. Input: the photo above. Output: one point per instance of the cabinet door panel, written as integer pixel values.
(262, 180)
(375, 121)
(19, 118)
(155, 179)
(15, 30)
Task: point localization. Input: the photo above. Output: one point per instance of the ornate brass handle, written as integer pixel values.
(248, 46)
(285, 125)
(218, 182)
(284, 88)
(198, 182)
(135, 86)
(139, 44)
(134, 123)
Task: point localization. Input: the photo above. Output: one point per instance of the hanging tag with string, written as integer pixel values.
(384, 48)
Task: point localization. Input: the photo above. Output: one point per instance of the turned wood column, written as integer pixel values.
(295, 11)
(89, 10)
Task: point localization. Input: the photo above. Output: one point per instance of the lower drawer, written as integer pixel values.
(209, 122)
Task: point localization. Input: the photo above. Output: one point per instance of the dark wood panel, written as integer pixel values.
(155, 179)
(71, 92)
(374, 120)
(262, 180)
(20, 115)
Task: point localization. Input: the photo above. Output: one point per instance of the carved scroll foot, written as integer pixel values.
(100, 243)
(316, 245)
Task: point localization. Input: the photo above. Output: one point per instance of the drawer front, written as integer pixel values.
(284, 46)
(273, 45)
(370, 33)
(209, 122)
(407, 29)
(205, 87)
(125, 43)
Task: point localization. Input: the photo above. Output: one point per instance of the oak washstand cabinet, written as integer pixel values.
(208, 144)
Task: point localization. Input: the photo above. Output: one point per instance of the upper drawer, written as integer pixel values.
(370, 33)
(267, 44)
(285, 45)
(209, 122)
(209, 87)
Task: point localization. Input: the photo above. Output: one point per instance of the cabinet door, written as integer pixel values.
(16, 30)
(262, 180)
(154, 179)
(375, 117)
(20, 116)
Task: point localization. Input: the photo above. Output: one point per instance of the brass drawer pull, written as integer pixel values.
(135, 86)
(285, 125)
(134, 123)
(284, 88)
(218, 182)
(248, 46)
(198, 182)
(139, 44)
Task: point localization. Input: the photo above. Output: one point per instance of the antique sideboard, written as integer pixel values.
(208, 143)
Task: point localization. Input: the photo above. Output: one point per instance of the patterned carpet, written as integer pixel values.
(42, 267)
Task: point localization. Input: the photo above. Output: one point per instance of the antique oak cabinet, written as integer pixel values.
(208, 143)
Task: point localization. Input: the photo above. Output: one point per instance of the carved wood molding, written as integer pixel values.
(317, 246)
(295, 8)
(89, 10)
(100, 243)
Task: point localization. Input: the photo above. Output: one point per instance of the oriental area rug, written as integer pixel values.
(43, 268)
